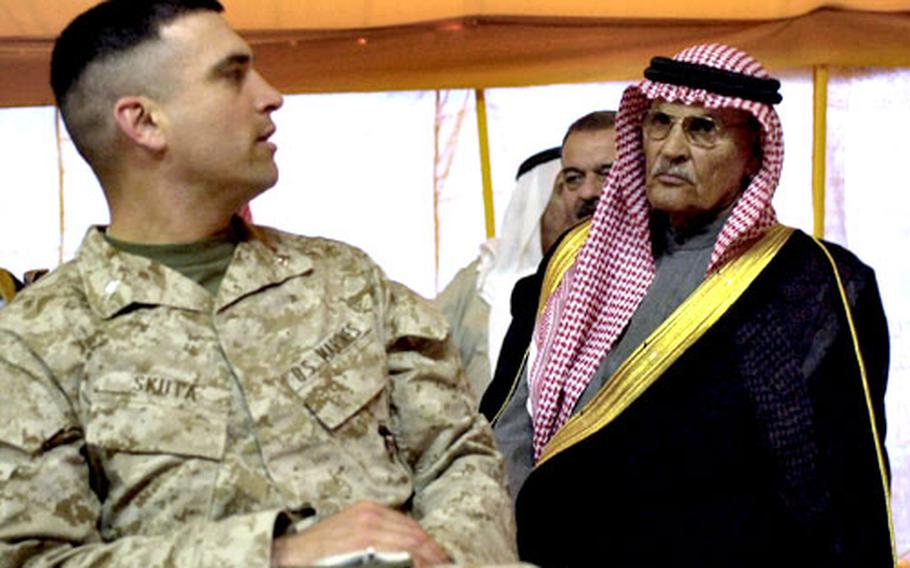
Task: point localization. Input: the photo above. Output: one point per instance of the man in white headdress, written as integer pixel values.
(468, 301)
(705, 386)
(555, 189)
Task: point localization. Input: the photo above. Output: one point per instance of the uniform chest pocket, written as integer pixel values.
(159, 446)
(345, 380)
(156, 415)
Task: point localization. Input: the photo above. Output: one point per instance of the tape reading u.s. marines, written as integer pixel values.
(324, 352)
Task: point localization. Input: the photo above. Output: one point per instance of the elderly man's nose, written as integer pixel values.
(675, 144)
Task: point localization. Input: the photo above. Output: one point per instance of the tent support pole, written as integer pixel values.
(58, 140)
(819, 147)
(484, 140)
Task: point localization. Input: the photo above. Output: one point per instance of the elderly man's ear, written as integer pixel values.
(753, 165)
(141, 119)
(755, 162)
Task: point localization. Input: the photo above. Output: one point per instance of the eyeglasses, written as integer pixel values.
(704, 131)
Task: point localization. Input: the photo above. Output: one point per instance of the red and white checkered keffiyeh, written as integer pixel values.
(612, 272)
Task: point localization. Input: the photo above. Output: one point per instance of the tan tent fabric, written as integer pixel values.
(365, 14)
(520, 51)
(44, 18)
(324, 46)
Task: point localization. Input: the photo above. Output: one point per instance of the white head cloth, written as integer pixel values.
(516, 252)
(615, 267)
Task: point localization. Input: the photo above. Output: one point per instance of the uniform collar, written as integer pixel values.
(115, 280)
(263, 258)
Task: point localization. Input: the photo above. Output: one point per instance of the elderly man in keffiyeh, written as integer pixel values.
(704, 386)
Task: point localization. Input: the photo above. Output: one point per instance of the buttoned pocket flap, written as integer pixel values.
(334, 399)
(341, 374)
(136, 421)
(149, 428)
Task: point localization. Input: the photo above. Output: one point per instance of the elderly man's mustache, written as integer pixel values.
(665, 166)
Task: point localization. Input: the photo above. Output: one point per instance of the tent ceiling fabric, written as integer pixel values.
(325, 14)
(323, 46)
(45, 18)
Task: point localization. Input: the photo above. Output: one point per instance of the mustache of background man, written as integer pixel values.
(586, 208)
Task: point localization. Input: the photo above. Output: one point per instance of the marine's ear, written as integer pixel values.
(139, 119)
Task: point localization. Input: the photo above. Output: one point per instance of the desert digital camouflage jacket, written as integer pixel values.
(147, 423)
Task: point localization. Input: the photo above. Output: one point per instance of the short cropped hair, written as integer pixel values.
(85, 76)
(593, 121)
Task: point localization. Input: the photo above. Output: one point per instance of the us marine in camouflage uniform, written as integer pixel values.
(244, 396)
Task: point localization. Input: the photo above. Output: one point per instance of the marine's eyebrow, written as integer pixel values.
(231, 61)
